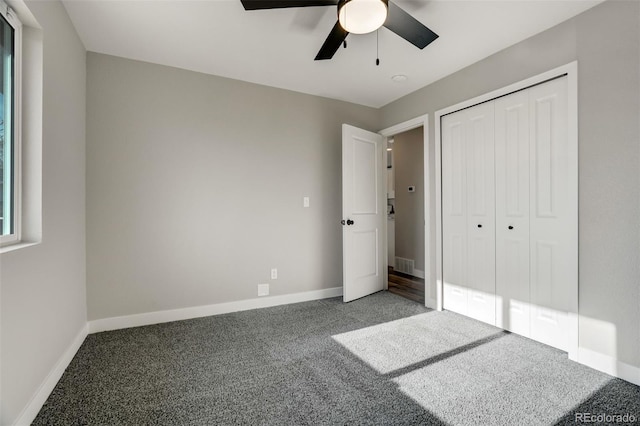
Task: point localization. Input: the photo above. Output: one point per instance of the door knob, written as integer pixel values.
(350, 222)
(510, 227)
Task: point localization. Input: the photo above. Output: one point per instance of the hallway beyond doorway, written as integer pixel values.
(407, 286)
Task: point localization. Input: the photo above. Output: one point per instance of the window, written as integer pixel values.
(10, 178)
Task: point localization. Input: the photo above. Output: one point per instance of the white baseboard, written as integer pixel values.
(127, 321)
(608, 364)
(418, 273)
(32, 409)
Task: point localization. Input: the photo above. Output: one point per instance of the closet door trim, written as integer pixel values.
(571, 72)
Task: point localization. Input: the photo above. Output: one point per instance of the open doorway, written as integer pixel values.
(405, 214)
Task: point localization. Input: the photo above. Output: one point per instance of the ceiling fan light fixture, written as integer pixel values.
(362, 16)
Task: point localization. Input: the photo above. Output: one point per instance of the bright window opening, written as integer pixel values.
(9, 143)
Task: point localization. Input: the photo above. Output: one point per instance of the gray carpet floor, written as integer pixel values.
(379, 360)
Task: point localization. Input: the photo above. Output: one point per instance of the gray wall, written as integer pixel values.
(195, 187)
(43, 286)
(609, 155)
(408, 157)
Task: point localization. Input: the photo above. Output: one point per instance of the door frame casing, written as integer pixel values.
(569, 70)
(414, 123)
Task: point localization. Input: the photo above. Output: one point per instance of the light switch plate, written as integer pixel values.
(305, 202)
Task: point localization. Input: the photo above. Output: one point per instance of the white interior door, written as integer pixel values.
(512, 213)
(363, 212)
(553, 215)
(454, 212)
(468, 212)
(481, 201)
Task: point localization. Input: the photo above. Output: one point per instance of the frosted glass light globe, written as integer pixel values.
(362, 16)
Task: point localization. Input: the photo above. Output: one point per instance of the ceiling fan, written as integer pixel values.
(358, 17)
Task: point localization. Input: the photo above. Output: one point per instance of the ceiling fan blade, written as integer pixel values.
(408, 27)
(280, 4)
(332, 43)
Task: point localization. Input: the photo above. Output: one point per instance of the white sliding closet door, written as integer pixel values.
(512, 213)
(469, 212)
(481, 214)
(454, 212)
(553, 214)
(509, 213)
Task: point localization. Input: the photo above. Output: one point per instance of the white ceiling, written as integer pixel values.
(277, 47)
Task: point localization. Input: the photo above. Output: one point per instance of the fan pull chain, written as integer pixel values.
(377, 48)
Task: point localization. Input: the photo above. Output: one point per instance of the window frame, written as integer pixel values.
(16, 184)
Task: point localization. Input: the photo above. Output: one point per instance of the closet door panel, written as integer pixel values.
(552, 217)
(454, 212)
(512, 213)
(481, 212)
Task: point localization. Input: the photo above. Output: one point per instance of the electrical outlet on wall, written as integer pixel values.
(263, 289)
(274, 273)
